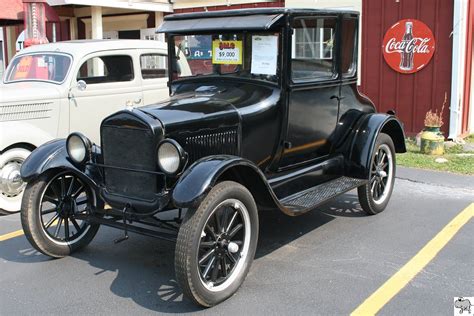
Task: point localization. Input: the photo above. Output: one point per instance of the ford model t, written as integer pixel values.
(270, 118)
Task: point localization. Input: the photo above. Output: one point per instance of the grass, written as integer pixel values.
(456, 164)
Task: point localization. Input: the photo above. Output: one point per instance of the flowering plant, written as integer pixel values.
(435, 119)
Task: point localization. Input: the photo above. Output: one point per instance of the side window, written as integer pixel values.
(313, 49)
(154, 66)
(349, 47)
(106, 69)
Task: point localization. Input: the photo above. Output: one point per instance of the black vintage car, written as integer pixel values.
(267, 117)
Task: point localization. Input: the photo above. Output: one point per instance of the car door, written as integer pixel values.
(314, 90)
(104, 83)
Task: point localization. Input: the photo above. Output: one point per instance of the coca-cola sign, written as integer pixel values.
(408, 46)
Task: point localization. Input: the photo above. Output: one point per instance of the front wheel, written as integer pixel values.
(375, 195)
(216, 244)
(48, 213)
(11, 184)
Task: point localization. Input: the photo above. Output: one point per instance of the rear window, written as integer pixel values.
(154, 66)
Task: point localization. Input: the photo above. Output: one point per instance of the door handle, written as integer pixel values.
(137, 101)
(337, 97)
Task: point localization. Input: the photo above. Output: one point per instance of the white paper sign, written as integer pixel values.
(264, 55)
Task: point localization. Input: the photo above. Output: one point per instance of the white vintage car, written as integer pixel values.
(49, 91)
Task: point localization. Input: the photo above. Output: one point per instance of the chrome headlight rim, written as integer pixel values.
(86, 143)
(181, 156)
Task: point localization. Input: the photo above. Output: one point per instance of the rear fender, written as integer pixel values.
(200, 178)
(53, 155)
(363, 142)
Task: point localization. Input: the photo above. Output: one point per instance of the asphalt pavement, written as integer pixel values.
(326, 262)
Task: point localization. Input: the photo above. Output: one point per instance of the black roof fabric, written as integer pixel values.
(227, 23)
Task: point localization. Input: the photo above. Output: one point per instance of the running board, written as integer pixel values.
(311, 198)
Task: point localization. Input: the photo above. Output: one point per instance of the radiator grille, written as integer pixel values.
(216, 142)
(130, 148)
(26, 111)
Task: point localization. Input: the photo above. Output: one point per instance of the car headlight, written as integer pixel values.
(78, 148)
(171, 156)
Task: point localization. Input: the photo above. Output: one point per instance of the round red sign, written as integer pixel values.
(408, 46)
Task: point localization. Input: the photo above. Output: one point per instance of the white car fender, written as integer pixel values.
(15, 132)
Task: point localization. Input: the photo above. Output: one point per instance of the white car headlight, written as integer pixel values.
(78, 147)
(170, 156)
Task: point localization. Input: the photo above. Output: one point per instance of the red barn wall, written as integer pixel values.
(411, 96)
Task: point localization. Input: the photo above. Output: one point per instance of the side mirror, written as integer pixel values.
(81, 85)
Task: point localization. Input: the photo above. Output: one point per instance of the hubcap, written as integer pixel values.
(11, 183)
(381, 174)
(224, 245)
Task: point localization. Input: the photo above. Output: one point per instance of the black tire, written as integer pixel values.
(375, 195)
(195, 242)
(33, 215)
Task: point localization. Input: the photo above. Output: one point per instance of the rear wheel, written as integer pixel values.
(216, 244)
(48, 215)
(375, 195)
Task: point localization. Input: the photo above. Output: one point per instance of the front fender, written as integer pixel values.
(16, 132)
(363, 141)
(202, 175)
(53, 155)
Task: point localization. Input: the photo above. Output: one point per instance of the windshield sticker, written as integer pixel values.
(264, 55)
(227, 52)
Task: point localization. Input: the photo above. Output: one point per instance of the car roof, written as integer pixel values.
(256, 11)
(84, 47)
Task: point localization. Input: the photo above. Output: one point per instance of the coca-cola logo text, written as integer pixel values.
(408, 46)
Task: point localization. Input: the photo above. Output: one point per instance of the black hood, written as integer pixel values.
(200, 106)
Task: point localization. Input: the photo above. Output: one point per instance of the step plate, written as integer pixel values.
(311, 198)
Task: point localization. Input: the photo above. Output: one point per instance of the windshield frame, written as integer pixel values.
(10, 66)
(174, 60)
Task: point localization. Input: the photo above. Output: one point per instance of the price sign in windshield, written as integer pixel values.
(227, 52)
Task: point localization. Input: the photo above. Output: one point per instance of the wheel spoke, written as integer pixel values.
(51, 221)
(224, 266)
(215, 271)
(231, 257)
(235, 230)
(208, 267)
(79, 190)
(76, 225)
(218, 222)
(63, 186)
(50, 199)
(206, 256)
(66, 228)
(232, 219)
(58, 228)
(211, 231)
(224, 218)
(55, 189)
(71, 186)
(49, 211)
(207, 244)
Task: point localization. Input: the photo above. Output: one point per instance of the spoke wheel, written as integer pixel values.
(216, 244)
(375, 195)
(224, 244)
(64, 198)
(49, 209)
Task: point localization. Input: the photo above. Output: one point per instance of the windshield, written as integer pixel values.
(244, 55)
(42, 66)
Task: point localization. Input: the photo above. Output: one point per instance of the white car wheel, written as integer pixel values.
(11, 184)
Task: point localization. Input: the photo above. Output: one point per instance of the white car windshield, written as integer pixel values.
(40, 66)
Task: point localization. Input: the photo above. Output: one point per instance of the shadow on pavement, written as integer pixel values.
(144, 267)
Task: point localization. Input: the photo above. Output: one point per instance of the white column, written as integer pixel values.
(457, 77)
(96, 17)
(158, 18)
(73, 28)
